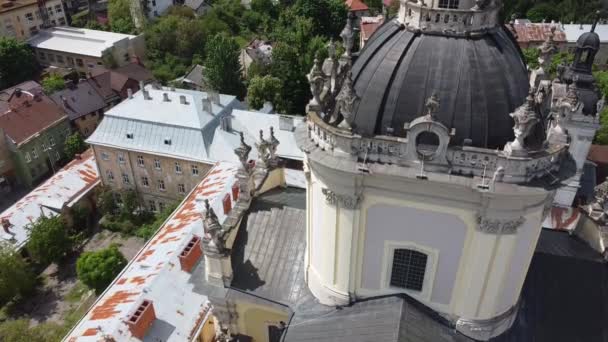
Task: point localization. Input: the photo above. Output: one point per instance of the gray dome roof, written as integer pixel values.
(478, 80)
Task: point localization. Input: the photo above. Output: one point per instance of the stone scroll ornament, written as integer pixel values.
(496, 226)
(344, 201)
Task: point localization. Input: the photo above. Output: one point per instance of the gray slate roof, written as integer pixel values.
(78, 100)
(479, 81)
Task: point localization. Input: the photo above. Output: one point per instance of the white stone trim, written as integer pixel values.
(429, 272)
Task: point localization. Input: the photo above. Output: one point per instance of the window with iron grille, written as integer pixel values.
(408, 269)
(449, 4)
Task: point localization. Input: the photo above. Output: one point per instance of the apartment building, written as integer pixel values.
(157, 142)
(23, 19)
(86, 51)
(34, 130)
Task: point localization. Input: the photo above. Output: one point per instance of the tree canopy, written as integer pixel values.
(559, 10)
(74, 144)
(263, 89)
(97, 269)
(119, 16)
(53, 83)
(16, 276)
(49, 240)
(223, 69)
(17, 62)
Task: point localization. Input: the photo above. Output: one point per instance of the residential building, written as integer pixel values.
(157, 142)
(86, 51)
(83, 105)
(357, 7)
(113, 86)
(257, 51)
(23, 19)
(533, 35)
(367, 27)
(198, 6)
(72, 185)
(35, 129)
(194, 79)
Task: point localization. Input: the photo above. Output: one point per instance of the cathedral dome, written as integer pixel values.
(479, 79)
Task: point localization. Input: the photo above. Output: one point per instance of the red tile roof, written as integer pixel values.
(356, 5)
(537, 33)
(369, 25)
(598, 154)
(27, 113)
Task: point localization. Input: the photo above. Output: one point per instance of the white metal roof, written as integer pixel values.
(65, 187)
(155, 274)
(149, 123)
(574, 31)
(77, 40)
(250, 123)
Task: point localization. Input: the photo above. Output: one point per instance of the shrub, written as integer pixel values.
(98, 269)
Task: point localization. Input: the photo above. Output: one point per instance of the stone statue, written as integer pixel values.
(348, 36)
(600, 105)
(597, 210)
(432, 106)
(242, 153)
(547, 50)
(525, 118)
(331, 49)
(347, 98)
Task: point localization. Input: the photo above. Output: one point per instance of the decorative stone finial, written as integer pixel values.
(331, 49)
(597, 19)
(263, 147)
(242, 152)
(572, 96)
(316, 78)
(214, 234)
(274, 143)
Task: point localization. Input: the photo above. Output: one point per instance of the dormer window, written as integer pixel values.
(129, 135)
(167, 141)
(451, 4)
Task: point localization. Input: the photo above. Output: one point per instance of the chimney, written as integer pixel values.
(129, 93)
(214, 97)
(78, 156)
(286, 123)
(182, 100)
(226, 123)
(141, 85)
(166, 97)
(141, 320)
(207, 105)
(191, 254)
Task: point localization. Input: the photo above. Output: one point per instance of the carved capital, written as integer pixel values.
(344, 201)
(496, 226)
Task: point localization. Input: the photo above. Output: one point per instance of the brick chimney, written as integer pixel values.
(141, 320)
(6, 225)
(191, 254)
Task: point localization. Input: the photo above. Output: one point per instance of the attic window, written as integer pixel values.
(167, 141)
(129, 135)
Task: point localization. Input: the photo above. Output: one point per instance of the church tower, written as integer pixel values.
(429, 170)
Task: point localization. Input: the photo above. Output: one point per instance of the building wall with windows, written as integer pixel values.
(40, 155)
(23, 20)
(159, 181)
(81, 63)
(86, 124)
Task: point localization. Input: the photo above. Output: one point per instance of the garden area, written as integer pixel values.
(67, 263)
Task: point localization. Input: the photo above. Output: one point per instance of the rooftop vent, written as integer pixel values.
(286, 123)
(191, 253)
(207, 105)
(167, 141)
(129, 135)
(130, 93)
(166, 97)
(182, 100)
(142, 319)
(226, 123)
(214, 97)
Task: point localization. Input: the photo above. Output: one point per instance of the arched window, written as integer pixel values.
(408, 269)
(437, 17)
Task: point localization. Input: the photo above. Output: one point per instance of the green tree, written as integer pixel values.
(119, 15)
(543, 11)
(561, 58)
(19, 330)
(98, 269)
(74, 144)
(53, 83)
(222, 66)
(16, 276)
(105, 201)
(130, 203)
(263, 89)
(531, 57)
(601, 79)
(49, 240)
(17, 62)
(328, 16)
